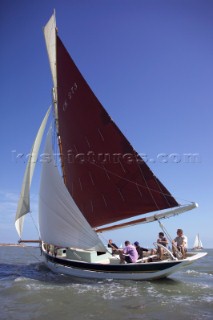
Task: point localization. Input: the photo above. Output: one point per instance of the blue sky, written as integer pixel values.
(150, 63)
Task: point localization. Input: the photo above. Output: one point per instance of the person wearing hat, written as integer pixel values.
(139, 249)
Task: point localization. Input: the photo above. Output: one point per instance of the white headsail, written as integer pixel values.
(61, 223)
(24, 200)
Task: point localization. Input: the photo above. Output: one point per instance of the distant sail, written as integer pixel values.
(108, 180)
(24, 200)
(197, 243)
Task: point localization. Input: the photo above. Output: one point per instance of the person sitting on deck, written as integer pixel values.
(180, 243)
(164, 242)
(113, 246)
(129, 253)
(139, 249)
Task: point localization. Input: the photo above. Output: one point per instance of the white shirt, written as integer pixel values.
(180, 240)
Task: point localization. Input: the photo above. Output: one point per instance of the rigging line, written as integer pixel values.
(30, 254)
(165, 231)
(157, 182)
(177, 252)
(35, 225)
(25, 247)
(141, 171)
(56, 148)
(133, 182)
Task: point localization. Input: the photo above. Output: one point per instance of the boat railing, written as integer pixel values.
(156, 244)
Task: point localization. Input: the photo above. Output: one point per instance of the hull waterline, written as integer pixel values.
(134, 271)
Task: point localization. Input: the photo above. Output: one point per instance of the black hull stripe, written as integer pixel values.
(124, 268)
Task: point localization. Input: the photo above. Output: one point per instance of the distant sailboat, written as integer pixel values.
(197, 243)
(104, 181)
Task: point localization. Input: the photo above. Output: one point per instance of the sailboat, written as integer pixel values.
(197, 243)
(102, 183)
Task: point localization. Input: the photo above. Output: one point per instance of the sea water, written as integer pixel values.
(29, 291)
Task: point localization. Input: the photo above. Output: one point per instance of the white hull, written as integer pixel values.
(139, 271)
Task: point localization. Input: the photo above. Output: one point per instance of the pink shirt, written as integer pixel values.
(132, 252)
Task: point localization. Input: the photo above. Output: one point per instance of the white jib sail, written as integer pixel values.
(24, 200)
(61, 223)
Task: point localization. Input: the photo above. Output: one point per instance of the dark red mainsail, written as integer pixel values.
(108, 180)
